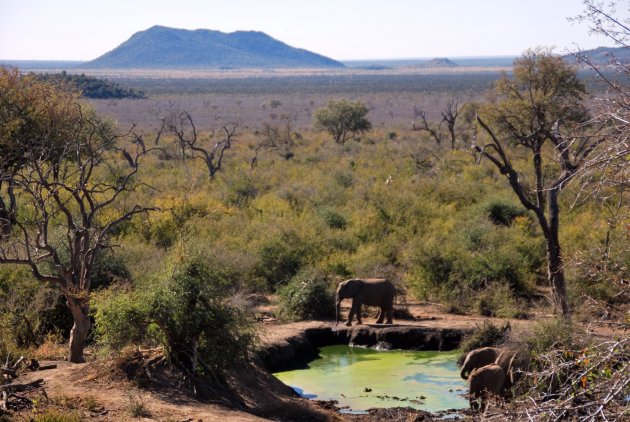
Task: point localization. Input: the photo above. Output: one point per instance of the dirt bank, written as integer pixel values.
(93, 391)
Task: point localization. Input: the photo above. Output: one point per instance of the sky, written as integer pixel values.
(340, 29)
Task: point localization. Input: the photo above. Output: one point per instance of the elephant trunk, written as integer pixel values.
(464, 373)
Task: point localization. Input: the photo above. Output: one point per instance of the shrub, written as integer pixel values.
(307, 296)
(23, 304)
(280, 259)
(557, 333)
(334, 220)
(503, 213)
(188, 311)
(486, 335)
(499, 301)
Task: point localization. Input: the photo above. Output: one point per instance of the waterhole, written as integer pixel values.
(360, 379)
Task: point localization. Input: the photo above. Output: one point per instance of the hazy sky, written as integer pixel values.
(341, 29)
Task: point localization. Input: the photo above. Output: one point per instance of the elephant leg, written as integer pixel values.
(390, 315)
(476, 401)
(381, 315)
(357, 301)
(350, 315)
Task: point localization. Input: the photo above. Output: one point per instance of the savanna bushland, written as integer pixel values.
(154, 222)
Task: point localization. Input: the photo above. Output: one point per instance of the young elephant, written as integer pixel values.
(478, 358)
(487, 379)
(370, 291)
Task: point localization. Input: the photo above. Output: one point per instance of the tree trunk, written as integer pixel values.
(80, 329)
(555, 276)
(555, 266)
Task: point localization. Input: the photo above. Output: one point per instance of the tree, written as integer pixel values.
(31, 127)
(183, 127)
(450, 113)
(342, 119)
(541, 110)
(609, 168)
(67, 179)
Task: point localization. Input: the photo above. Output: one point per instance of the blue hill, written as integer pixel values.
(161, 47)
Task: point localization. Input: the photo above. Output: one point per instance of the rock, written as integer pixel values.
(383, 345)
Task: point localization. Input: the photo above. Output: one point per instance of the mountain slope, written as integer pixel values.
(160, 47)
(602, 55)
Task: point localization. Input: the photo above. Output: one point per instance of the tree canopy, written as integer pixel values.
(342, 119)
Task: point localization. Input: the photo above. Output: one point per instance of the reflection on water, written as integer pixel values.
(363, 378)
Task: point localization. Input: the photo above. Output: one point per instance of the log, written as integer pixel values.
(43, 368)
(14, 388)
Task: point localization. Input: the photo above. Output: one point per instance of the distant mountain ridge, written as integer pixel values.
(160, 47)
(603, 55)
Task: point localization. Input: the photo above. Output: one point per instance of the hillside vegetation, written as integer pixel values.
(91, 87)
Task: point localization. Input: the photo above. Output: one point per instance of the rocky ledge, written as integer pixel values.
(300, 345)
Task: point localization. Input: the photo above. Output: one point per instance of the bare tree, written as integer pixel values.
(607, 172)
(450, 113)
(435, 133)
(280, 139)
(183, 127)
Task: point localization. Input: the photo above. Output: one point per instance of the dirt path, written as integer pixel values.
(80, 388)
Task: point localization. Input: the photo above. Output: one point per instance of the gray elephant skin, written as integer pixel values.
(367, 291)
(478, 358)
(487, 379)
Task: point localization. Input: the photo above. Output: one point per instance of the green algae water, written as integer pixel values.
(360, 379)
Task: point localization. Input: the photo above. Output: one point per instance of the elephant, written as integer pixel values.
(369, 291)
(487, 379)
(478, 358)
(506, 361)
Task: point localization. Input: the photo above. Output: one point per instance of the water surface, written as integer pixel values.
(363, 378)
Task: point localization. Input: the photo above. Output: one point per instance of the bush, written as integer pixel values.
(280, 259)
(333, 219)
(557, 333)
(499, 301)
(187, 311)
(503, 213)
(24, 302)
(307, 296)
(486, 335)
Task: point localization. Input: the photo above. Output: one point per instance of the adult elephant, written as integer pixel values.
(369, 291)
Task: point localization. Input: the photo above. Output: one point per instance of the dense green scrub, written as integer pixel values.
(363, 378)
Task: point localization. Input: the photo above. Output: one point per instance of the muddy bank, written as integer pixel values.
(300, 347)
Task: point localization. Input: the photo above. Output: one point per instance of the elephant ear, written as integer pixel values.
(353, 287)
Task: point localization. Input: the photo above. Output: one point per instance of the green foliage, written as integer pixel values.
(91, 87)
(281, 258)
(503, 213)
(486, 335)
(333, 219)
(557, 333)
(56, 415)
(307, 296)
(187, 311)
(342, 119)
(24, 303)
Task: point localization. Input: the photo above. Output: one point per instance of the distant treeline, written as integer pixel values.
(91, 87)
(319, 84)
